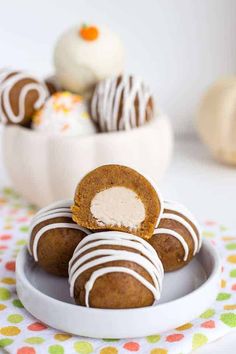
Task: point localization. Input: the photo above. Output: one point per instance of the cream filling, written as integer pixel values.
(118, 206)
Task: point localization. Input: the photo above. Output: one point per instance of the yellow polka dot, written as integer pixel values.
(184, 327)
(230, 307)
(9, 281)
(10, 331)
(223, 283)
(109, 350)
(2, 307)
(62, 336)
(232, 258)
(159, 351)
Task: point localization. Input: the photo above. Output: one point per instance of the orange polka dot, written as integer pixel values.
(234, 287)
(10, 331)
(174, 337)
(2, 307)
(228, 238)
(131, 346)
(37, 326)
(223, 283)
(8, 281)
(232, 258)
(5, 237)
(11, 266)
(159, 351)
(109, 350)
(184, 327)
(26, 350)
(230, 307)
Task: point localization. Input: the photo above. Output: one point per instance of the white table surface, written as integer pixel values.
(208, 189)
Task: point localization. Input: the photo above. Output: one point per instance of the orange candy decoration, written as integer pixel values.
(89, 33)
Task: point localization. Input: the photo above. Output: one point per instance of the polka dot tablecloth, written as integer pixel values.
(20, 333)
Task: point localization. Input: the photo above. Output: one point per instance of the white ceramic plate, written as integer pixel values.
(186, 294)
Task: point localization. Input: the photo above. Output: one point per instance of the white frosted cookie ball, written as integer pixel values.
(64, 113)
(85, 55)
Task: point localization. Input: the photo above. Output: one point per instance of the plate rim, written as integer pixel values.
(21, 258)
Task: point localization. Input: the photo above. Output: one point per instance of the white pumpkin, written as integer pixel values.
(216, 120)
(46, 168)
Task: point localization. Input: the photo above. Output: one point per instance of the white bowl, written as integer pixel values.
(186, 294)
(46, 168)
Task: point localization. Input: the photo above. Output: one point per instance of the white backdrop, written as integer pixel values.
(178, 46)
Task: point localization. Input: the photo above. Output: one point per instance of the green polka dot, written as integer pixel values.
(17, 303)
(199, 340)
(233, 273)
(153, 339)
(4, 294)
(56, 349)
(21, 242)
(208, 314)
(15, 318)
(5, 342)
(223, 296)
(223, 228)
(110, 340)
(229, 319)
(24, 228)
(231, 246)
(35, 340)
(83, 347)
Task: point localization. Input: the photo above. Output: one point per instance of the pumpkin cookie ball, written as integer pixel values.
(54, 237)
(118, 198)
(20, 96)
(64, 113)
(115, 270)
(122, 103)
(177, 238)
(85, 55)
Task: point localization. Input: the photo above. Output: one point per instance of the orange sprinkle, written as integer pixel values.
(89, 33)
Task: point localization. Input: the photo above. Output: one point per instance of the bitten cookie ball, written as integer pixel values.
(118, 198)
(85, 55)
(64, 113)
(177, 238)
(122, 103)
(20, 96)
(115, 270)
(54, 237)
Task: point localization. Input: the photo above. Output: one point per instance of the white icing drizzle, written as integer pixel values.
(196, 237)
(6, 86)
(55, 210)
(107, 98)
(148, 259)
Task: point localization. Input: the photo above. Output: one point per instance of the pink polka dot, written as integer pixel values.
(26, 350)
(23, 219)
(174, 337)
(210, 223)
(5, 237)
(3, 247)
(213, 242)
(37, 326)
(11, 266)
(208, 324)
(131, 346)
(234, 287)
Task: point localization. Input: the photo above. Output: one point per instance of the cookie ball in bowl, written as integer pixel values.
(115, 270)
(177, 237)
(21, 94)
(64, 114)
(86, 54)
(122, 103)
(54, 237)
